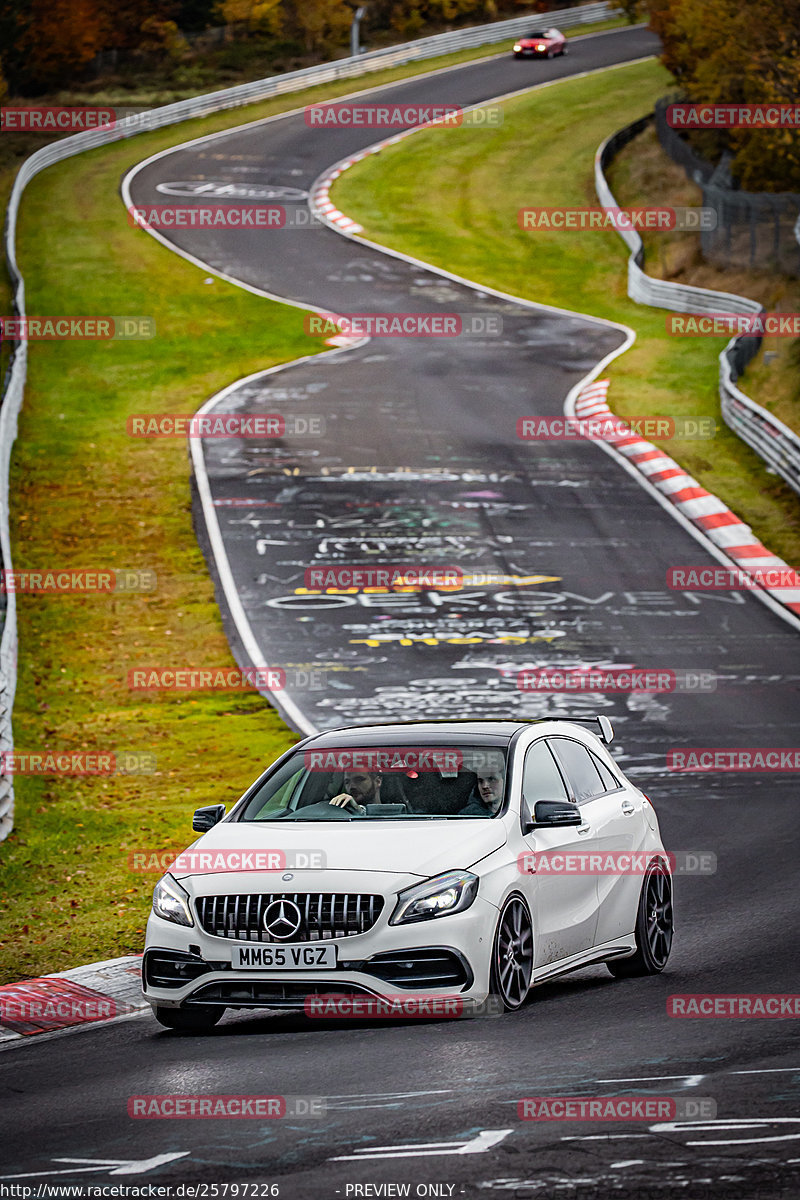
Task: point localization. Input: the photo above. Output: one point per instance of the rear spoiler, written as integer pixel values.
(606, 729)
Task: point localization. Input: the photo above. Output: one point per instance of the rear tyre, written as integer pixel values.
(189, 1020)
(654, 928)
(512, 954)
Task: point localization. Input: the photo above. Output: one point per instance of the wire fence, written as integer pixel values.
(778, 445)
(752, 228)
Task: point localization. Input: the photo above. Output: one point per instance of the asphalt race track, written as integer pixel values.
(421, 459)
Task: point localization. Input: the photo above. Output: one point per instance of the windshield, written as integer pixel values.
(537, 35)
(375, 783)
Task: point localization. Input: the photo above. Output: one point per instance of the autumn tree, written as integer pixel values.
(722, 52)
(47, 44)
(321, 23)
(417, 13)
(631, 8)
(258, 15)
(53, 40)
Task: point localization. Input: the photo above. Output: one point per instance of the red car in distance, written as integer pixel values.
(541, 43)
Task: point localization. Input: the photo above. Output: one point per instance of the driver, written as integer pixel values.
(361, 788)
(485, 801)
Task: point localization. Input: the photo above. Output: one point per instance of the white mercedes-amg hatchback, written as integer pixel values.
(390, 866)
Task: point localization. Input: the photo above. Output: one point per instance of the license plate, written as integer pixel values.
(298, 957)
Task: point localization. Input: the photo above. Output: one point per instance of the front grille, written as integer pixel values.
(324, 915)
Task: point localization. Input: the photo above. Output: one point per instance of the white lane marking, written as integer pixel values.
(602, 1137)
(351, 1103)
(691, 1080)
(359, 1107)
(389, 1095)
(730, 1124)
(477, 1145)
(112, 1166)
(627, 1162)
(765, 1071)
(288, 709)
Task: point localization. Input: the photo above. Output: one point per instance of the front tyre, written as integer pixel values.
(199, 1019)
(512, 954)
(654, 928)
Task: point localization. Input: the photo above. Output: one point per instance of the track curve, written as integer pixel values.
(566, 512)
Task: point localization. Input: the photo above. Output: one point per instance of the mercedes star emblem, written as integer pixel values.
(282, 919)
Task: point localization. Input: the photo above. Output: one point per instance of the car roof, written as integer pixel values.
(404, 733)
(435, 732)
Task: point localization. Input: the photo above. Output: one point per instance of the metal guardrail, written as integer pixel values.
(778, 445)
(172, 114)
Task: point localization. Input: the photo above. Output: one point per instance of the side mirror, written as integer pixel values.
(555, 812)
(206, 818)
(606, 730)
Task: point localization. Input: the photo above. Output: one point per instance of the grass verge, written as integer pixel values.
(436, 196)
(87, 495)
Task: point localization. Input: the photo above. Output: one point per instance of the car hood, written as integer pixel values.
(407, 848)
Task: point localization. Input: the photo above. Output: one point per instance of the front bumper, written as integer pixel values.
(448, 956)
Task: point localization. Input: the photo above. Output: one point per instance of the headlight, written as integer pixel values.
(171, 902)
(517, 47)
(438, 897)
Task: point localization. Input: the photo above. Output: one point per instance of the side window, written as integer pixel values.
(610, 782)
(579, 764)
(541, 778)
(282, 797)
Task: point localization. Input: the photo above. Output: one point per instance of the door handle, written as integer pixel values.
(628, 808)
(583, 829)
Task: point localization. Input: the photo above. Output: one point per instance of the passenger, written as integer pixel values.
(487, 797)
